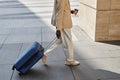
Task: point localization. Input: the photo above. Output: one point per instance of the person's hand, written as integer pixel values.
(72, 11)
(58, 34)
(75, 11)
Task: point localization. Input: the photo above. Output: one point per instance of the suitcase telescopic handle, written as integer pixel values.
(51, 43)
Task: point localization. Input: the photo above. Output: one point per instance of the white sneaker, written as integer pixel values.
(72, 63)
(44, 59)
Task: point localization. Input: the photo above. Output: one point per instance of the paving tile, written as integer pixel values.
(2, 38)
(0, 46)
(7, 10)
(26, 30)
(109, 64)
(5, 72)
(9, 53)
(5, 31)
(111, 79)
(79, 33)
(21, 38)
(48, 34)
(9, 16)
(24, 47)
(81, 74)
(57, 55)
(96, 51)
(97, 69)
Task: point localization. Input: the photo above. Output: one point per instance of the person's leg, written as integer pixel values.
(68, 47)
(67, 43)
(51, 48)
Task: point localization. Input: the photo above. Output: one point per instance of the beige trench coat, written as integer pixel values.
(61, 17)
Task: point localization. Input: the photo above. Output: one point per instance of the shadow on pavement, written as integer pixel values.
(94, 74)
(112, 42)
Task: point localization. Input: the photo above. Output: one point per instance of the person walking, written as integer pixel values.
(61, 19)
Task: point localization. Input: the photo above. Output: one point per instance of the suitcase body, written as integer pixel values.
(29, 57)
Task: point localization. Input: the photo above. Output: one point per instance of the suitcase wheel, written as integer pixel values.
(13, 67)
(20, 74)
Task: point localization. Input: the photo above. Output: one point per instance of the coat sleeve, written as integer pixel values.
(60, 13)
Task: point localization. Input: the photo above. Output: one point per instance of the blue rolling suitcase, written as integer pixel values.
(29, 57)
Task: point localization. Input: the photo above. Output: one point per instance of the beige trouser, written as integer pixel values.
(66, 40)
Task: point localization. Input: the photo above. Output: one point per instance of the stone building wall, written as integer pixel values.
(100, 19)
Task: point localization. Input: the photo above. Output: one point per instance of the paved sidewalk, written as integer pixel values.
(25, 21)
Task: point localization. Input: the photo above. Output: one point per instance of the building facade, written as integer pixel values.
(100, 19)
